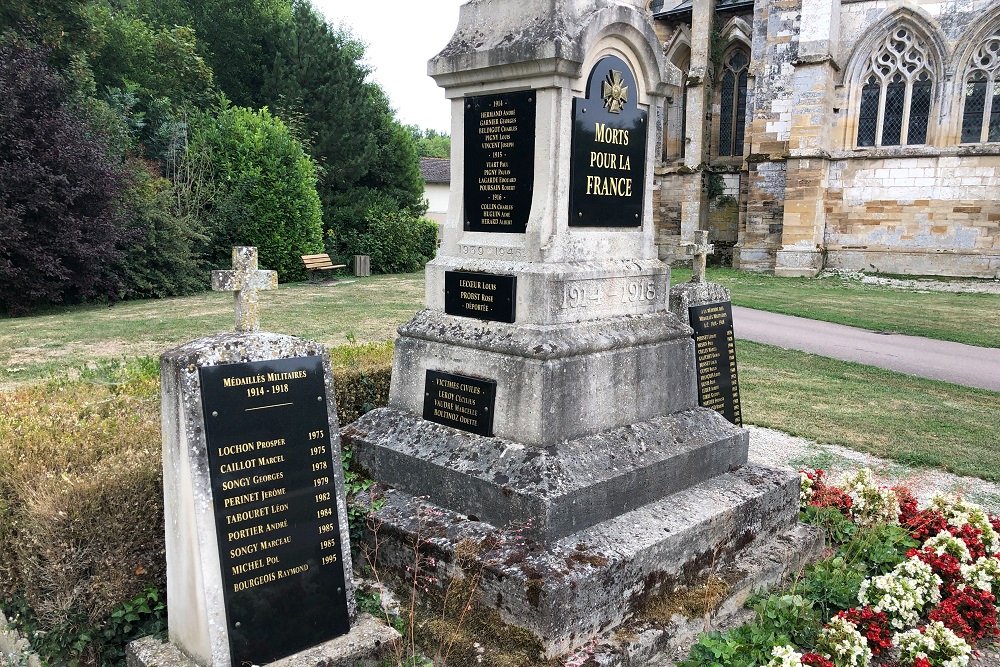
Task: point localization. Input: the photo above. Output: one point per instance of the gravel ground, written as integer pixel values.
(778, 449)
(971, 285)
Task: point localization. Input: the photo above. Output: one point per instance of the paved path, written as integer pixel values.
(939, 360)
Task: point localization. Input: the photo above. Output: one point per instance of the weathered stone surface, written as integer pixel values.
(553, 382)
(593, 581)
(14, 649)
(689, 294)
(244, 280)
(558, 490)
(197, 620)
(369, 642)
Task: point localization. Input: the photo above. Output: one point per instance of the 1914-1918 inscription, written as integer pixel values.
(460, 401)
(270, 454)
(715, 356)
(608, 163)
(485, 296)
(499, 161)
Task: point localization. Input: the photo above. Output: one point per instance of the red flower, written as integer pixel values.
(907, 504)
(970, 613)
(924, 524)
(831, 496)
(973, 538)
(873, 625)
(945, 565)
(815, 660)
(922, 662)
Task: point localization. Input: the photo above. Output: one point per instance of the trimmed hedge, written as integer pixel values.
(81, 504)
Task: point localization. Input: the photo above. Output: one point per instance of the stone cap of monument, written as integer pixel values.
(547, 36)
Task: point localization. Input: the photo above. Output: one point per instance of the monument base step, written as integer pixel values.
(369, 643)
(561, 489)
(599, 587)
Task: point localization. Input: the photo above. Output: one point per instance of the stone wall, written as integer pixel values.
(937, 215)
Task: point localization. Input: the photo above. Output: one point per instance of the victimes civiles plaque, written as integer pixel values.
(715, 359)
(499, 162)
(271, 458)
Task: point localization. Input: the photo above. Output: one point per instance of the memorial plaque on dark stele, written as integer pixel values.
(485, 296)
(460, 401)
(499, 175)
(608, 150)
(271, 467)
(715, 357)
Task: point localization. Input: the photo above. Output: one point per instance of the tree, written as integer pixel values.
(266, 189)
(59, 191)
(430, 143)
(318, 79)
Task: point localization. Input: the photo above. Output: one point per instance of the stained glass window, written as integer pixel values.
(981, 115)
(733, 104)
(897, 94)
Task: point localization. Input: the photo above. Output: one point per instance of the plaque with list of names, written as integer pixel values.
(271, 467)
(715, 356)
(608, 150)
(499, 173)
(484, 296)
(460, 401)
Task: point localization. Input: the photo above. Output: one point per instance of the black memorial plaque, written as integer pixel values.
(499, 162)
(460, 401)
(608, 151)
(715, 355)
(485, 296)
(271, 466)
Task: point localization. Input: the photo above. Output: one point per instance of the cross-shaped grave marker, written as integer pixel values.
(699, 251)
(244, 281)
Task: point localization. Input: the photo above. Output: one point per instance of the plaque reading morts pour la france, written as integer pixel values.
(499, 173)
(271, 469)
(608, 151)
(715, 359)
(460, 401)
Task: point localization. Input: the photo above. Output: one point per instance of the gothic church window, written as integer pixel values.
(981, 115)
(732, 121)
(896, 92)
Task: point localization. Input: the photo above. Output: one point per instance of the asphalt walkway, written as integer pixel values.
(924, 357)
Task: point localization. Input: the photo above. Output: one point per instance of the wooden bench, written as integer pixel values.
(321, 262)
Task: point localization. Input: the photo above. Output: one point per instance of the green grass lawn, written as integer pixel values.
(910, 420)
(964, 318)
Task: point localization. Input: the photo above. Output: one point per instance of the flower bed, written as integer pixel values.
(902, 586)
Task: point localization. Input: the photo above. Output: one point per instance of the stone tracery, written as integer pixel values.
(981, 114)
(897, 92)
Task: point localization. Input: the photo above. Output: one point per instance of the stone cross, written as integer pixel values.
(244, 281)
(699, 252)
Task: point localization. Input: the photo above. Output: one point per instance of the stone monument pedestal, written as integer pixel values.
(548, 476)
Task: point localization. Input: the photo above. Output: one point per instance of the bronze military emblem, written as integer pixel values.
(615, 92)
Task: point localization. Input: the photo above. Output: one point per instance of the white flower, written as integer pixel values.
(936, 643)
(903, 593)
(872, 504)
(984, 574)
(960, 512)
(841, 640)
(946, 543)
(785, 656)
(805, 489)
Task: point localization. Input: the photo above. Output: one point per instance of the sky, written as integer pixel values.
(400, 38)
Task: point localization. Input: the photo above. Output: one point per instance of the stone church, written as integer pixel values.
(845, 134)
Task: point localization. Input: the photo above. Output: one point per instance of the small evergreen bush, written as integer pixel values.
(265, 190)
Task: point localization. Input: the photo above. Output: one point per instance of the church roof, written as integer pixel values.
(672, 8)
(435, 170)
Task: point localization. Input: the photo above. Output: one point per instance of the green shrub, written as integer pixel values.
(265, 190)
(396, 240)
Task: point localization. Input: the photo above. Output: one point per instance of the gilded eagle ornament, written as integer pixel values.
(615, 92)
